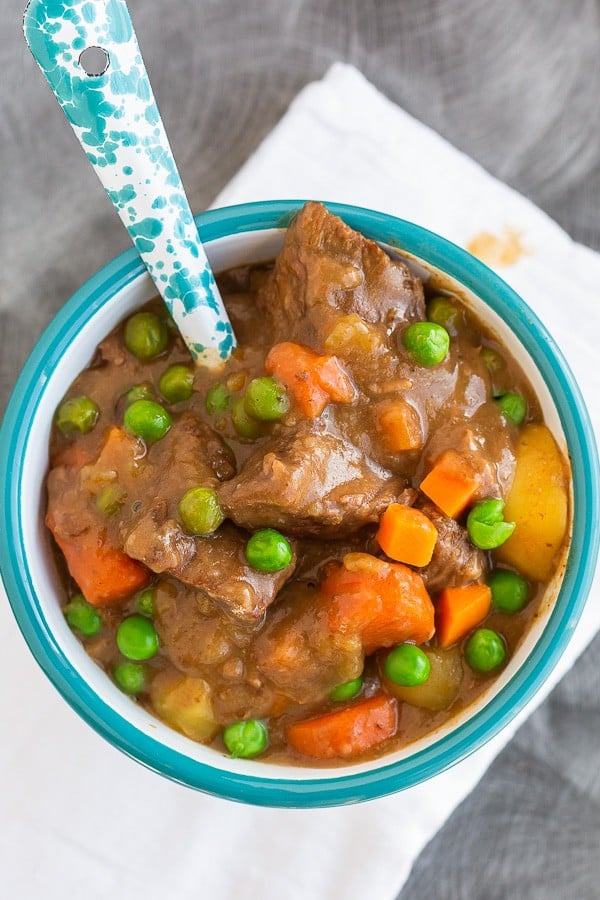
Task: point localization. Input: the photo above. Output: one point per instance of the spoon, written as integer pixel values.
(89, 54)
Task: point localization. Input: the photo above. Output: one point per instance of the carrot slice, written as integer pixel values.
(399, 426)
(103, 572)
(118, 444)
(293, 366)
(346, 732)
(311, 380)
(118, 452)
(117, 462)
(385, 603)
(334, 379)
(407, 535)
(451, 484)
(459, 610)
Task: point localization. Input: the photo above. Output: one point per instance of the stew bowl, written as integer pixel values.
(236, 235)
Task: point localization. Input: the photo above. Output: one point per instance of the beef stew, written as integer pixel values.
(328, 548)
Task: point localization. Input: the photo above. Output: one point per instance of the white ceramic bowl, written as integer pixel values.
(233, 236)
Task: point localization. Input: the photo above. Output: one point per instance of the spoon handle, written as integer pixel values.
(89, 54)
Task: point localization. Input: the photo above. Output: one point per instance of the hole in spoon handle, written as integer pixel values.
(94, 61)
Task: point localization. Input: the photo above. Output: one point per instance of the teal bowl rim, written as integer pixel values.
(328, 789)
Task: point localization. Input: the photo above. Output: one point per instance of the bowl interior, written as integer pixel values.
(35, 592)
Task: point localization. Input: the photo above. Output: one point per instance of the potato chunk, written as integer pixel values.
(538, 502)
(441, 688)
(352, 336)
(184, 704)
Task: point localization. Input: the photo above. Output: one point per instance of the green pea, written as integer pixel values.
(176, 384)
(144, 602)
(137, 638)
(148, 420)
(407, 665)
(139, 392)
(146, 336)
(217, 399)
(427, 343)
(78, 415)
(130, 677)
(510, 591)
(348, 690)
(443, 311)
(109, 500)
(486, 526)
(245, 739)
(513, 407)
(246, 426)
(485, 650)
(268, 551)
(492, 360)
(82, 617)
(200, 511)
(265, 399)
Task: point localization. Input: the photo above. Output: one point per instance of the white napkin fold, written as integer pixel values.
(80, 819)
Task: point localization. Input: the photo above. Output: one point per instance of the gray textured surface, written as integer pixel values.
(516, 85)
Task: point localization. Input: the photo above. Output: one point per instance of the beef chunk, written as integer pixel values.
(191, 453)
(298, 655)
(326, 269)
(193, 637)
(455, 560)
(309, 482)
(159, 541)
(215, 564)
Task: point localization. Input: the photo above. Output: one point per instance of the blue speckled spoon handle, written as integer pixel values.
(89, 54)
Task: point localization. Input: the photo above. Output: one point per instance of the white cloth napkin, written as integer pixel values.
(82, 820)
